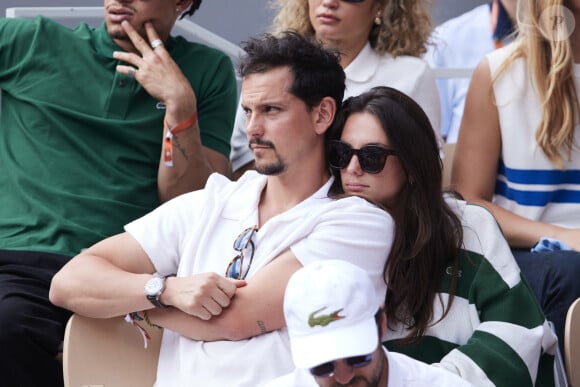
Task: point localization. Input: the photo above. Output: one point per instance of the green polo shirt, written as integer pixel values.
(79, 143)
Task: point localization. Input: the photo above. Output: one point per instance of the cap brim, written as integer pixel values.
(326, 344)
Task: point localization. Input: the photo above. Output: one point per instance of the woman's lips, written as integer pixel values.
(355, 187)
(326, 18)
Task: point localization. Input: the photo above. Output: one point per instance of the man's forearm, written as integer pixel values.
(217, 328)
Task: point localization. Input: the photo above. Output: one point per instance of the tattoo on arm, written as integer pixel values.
(180, 148)
(262, 326)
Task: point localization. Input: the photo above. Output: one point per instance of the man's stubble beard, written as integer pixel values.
(271, 169)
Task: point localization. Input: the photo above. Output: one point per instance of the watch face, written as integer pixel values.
(154, 286)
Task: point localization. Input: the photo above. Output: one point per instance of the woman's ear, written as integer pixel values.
(325, 112)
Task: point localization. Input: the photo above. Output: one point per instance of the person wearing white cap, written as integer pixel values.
(335, 320)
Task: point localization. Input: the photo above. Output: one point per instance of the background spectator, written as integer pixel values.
(518, 153)
(82, 125)
(461, 43)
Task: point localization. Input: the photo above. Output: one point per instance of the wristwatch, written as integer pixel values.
(153, 289)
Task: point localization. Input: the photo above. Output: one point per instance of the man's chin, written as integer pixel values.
(119, 35)
(270, 169)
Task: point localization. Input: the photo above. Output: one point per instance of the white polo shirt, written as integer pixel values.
(194, 233)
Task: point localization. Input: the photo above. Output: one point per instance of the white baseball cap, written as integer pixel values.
(330, 309)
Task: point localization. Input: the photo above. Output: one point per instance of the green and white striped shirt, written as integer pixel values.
(495, 333)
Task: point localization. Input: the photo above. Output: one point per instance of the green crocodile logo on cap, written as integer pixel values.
(325, 319)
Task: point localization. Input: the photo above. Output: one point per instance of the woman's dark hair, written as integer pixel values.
(194, 7)
(428, 234)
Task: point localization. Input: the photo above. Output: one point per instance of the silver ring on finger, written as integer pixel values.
(131, 73)
(156, 43)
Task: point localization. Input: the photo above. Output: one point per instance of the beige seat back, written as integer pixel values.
(108, 353)
(572, 344)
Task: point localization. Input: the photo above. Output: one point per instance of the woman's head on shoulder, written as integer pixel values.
(397, 155)
(382, 147)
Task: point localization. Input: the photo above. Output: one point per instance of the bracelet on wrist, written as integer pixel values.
(170, 131)
(133, 318)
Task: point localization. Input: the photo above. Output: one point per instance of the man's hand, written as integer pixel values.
(152, 66)
(202, 295)
(157, 72)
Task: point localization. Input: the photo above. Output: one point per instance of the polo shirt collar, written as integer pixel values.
(364, 66)
(245, 200)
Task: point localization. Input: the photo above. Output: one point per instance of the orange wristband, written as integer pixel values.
(170, 132)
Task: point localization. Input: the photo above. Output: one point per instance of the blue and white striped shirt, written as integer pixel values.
(528, 183)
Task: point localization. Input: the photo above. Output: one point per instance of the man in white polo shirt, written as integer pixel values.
(222, 312)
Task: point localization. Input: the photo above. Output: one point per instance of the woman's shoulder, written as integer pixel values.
(407, 74)
(40, 27)
(472, 215)
(412, 63)
(497, 57)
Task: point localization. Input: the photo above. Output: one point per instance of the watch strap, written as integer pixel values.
(155, 301)
(154, 298)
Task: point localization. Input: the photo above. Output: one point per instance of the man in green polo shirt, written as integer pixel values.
(97, 128)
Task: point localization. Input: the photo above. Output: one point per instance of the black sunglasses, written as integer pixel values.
(372, 158)
(325, 370)
(238, 268)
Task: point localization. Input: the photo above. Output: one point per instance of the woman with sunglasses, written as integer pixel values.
(455, 295)
(380, 42)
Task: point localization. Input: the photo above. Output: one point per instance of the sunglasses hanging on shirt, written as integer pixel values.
(240, 264)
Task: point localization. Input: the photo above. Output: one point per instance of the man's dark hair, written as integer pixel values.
(317, 72)
(194, 7)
